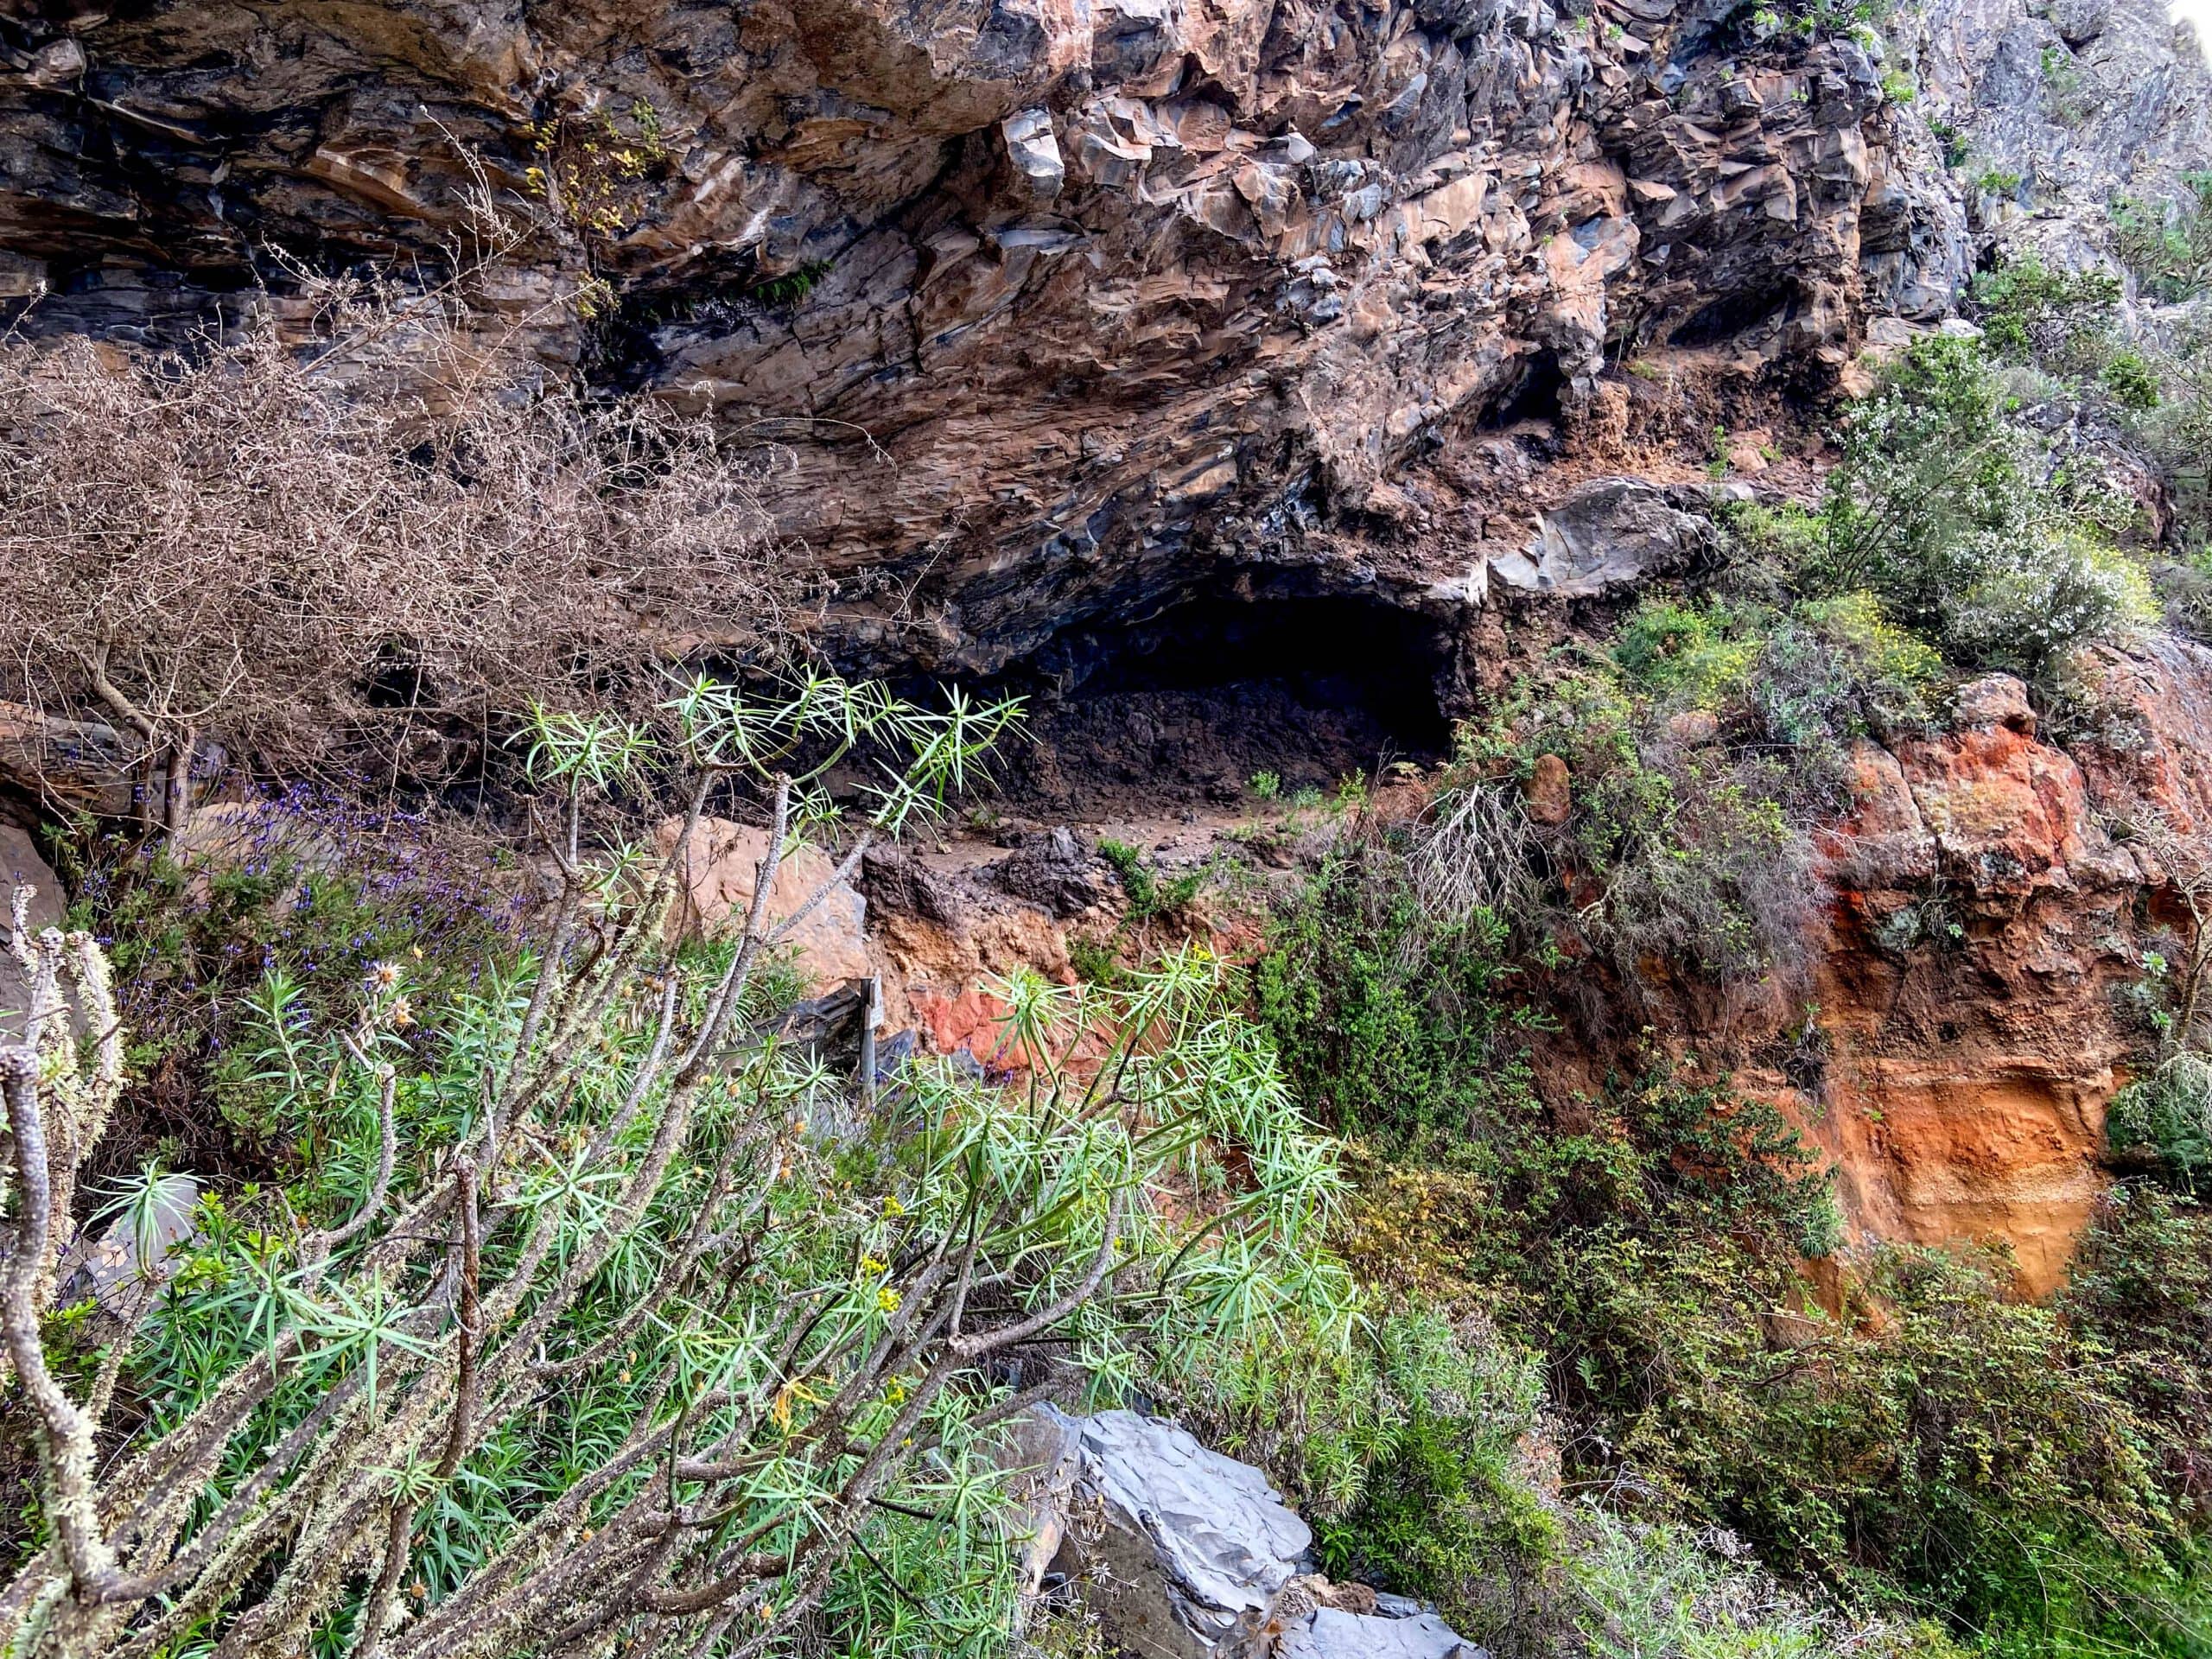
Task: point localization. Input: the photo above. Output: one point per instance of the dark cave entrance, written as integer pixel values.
(1534, 395)
(1191, 704)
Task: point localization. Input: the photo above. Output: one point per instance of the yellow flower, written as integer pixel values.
(870, 1266)
(887, 1300)
(891, 1206)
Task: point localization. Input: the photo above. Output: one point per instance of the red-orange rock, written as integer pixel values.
(1549, 791)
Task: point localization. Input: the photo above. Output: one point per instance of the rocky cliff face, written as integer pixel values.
(1994, 895)
(1066, 310)
(1205, 332)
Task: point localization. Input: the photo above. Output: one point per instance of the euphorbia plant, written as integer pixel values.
(576, 1334)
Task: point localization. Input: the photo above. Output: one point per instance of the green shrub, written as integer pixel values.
(601, 1311)
(1675, 854)
(1697, 656)
(2131, 380)
(1415, 1450)
(2164, 1118)
(2169, 245)
(1387, 1023)
(1148, 895)
(1955, 518)
(2030, 313)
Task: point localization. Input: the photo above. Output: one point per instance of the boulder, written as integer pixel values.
(1192, 1550)
(1994, 699)
(1606, 532)
(1052, 871)
(1330, 1633)
(830, 942)
(79, 764)
(1549, 791)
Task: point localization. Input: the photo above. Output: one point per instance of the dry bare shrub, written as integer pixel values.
(321, 541)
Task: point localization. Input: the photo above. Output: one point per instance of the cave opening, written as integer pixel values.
(1723, 319)
(1192, 704)
(1535, 396)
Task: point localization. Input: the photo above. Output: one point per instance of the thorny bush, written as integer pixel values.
(608, 1322)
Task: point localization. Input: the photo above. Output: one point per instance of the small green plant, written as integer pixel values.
(1953, 141)
(1148, 895)
(2134, 384)
(1267, 785)
(790, 287)
(1096, 962)
(1995, 181)
(1898, 86)
(2063, 90)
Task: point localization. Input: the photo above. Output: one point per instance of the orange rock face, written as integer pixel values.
(1984, 916)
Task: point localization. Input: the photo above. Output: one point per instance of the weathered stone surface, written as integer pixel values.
(1608, 533)
(72, 764)
(1195, 1548)
(1061, 311)
(1994, 699)
(1053, 871)
(2058, 109)
(1982, 919)
(721, 866)
(1327, 1633)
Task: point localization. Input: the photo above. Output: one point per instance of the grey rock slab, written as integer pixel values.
(1328, 1633)
(1608, 531)
(1195, 1548)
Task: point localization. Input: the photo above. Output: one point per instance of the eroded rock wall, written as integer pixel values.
(1062, 307)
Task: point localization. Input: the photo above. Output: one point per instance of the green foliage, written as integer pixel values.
(1953, 141)
(2164, 1118)
(1675, 853)
(1148, 895)
(1655, 1590)
(1957, 520)
(2131, 380)
(2169, 245)
(1387, 1023)
(1267, 785)
(2029, 311)
(1410, 1448)
(1447, 1514)
(1699, 656)
(1937, 1446)
(599, 1292)
(791, 287)
(2138, 1299)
